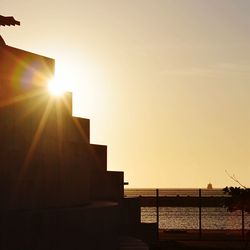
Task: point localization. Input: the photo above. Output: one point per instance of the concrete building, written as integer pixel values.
(55, 190)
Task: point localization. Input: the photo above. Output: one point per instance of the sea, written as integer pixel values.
(187, 218)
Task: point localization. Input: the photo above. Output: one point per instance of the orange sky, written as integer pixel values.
(165, 83)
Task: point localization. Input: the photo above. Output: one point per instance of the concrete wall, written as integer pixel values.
(93, 227)
(22, 71)
(46, 156)
(50, 175)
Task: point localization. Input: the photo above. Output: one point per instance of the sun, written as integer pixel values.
(55, 88)
(60, 83)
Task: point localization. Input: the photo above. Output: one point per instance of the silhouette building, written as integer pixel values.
(55, 189)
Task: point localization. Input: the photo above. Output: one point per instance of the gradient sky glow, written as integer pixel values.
(166, 83)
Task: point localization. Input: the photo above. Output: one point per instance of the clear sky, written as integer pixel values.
(166, 83)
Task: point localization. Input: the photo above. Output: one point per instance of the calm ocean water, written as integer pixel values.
(172, 192)
(188, 217)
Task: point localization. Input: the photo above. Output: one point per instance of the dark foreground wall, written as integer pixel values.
(92, 227)
(45, 153)
(55, 189)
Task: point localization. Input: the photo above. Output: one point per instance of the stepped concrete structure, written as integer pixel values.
(55, 189)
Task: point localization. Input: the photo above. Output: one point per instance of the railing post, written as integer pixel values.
(200, 228)
(242, 224)
(157, 212)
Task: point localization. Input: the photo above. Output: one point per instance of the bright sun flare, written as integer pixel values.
(55, 88)
(62, 80)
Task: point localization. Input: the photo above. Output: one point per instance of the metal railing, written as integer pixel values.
(204, 200)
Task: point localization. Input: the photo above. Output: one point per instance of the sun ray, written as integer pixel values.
(32, 108)
(75, 121)
(37, 136)
(19, 98)
(78, 126)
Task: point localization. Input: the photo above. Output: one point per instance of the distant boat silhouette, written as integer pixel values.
(209, 186)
